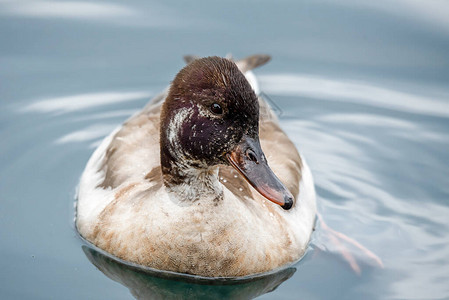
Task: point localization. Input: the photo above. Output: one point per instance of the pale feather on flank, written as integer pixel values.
(232, 230)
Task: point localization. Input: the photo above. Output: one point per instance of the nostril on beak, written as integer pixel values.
(252, 156)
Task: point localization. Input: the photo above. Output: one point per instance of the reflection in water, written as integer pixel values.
(68, 10)
(79, 102)
(147, 284)
(86, 134)
(431, 12)
(354, 92)
(154, 15)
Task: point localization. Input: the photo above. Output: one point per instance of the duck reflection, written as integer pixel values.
(153, 284)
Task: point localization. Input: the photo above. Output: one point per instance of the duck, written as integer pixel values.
(201, 181)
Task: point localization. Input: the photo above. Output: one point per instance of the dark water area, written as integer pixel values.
(363, 90)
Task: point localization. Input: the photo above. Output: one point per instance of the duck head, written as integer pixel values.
(211, 117)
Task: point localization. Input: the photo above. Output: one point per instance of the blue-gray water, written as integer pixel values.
(364, 91)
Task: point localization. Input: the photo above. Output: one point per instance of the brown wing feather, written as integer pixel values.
(138, 137)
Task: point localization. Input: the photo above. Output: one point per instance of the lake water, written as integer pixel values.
(363, 90)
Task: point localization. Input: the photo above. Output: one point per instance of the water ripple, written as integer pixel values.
(68, 104)
(86, 134)
(69, 9)
(354, 92)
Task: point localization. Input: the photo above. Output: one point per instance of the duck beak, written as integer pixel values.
(248, 158)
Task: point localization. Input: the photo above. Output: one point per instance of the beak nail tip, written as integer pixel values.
(288, 203)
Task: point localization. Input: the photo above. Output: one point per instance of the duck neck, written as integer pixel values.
(189, 182)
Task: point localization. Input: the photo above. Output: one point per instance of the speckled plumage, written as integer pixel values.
(221, 227)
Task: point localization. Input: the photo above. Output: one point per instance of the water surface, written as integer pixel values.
(364, 92)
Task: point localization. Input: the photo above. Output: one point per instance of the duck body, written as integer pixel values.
(189, 212)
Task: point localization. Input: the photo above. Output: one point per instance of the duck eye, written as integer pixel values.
(216, 109)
